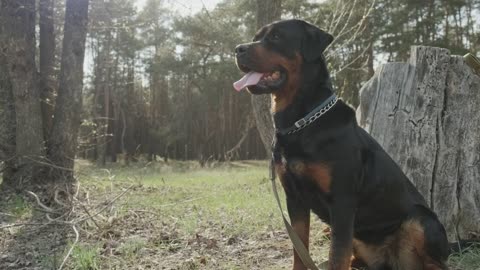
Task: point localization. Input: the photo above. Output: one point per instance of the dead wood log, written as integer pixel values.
(426, 114)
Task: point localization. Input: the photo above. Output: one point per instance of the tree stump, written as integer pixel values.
(426, 114)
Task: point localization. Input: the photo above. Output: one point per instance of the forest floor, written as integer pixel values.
(163, 216)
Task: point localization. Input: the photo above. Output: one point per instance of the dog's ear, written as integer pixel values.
(314, 42)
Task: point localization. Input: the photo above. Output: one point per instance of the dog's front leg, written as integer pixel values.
(342, 217)
(300, 218)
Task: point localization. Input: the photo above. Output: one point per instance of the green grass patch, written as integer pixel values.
(85, 257)
(235, 198)
(467, 259)
(18, 206)
(132, 247)
(194, 210)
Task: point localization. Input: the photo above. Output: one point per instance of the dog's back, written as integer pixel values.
(329, 165)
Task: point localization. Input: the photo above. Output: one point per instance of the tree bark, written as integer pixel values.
(103, 95)
(47, 61)
(425, 114)
(19, 46)
(129, 142)
(267, 12)
(69, 101)
(7, 119)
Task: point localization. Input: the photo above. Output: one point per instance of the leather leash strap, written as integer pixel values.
(296, 241)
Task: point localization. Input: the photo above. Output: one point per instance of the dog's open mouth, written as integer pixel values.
(271, 80)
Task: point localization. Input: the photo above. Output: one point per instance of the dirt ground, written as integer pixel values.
(137, 239)
(161, 216)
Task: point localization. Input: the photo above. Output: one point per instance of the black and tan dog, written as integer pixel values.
(330, 165)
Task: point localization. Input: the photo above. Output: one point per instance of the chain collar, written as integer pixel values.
(311, 117)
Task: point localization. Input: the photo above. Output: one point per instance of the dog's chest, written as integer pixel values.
(307, 182)
(304, 177)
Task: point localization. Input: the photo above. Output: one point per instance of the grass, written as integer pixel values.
(132, 247)
(226, 196)
(468, 259)
(202, 210)
(224, 205)
(183, 217)
(85, 257)
(205, 218)
(17, 207)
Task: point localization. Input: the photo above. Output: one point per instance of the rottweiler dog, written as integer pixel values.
(330, 165)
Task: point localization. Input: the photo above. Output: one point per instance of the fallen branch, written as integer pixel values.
(22, 224)
(77, 237)
(6, 214)
(62, 219)
(107, 205)
(43, 206)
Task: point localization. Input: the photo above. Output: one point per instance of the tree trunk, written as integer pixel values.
(267, 12)
(104, 108)
(69, 102)
(7, 119)
(108, 123)
(47, 60)
(19, 47)
(153, 116)
(102, 95)
(129, 141)
(98, 103)
(425, 114)
(115, 113)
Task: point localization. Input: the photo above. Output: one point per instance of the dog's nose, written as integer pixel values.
(241, 49)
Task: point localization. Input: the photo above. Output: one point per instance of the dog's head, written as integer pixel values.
(273, 62)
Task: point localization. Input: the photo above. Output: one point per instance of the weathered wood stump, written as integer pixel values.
(426, 114)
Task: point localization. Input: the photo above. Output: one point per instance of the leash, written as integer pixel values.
(302, 251)
(316, 113)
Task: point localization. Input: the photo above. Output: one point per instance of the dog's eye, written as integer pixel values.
(274, 37)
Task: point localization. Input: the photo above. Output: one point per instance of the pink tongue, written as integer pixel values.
(250, 78)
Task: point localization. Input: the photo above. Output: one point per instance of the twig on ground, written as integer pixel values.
(88, 213)
(107, 205)
(58, 220)
(21, 224)
(62, 219)
(77, 237)
(55, 198)
(44, 207)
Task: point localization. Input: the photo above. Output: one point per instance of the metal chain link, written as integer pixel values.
(315, 116)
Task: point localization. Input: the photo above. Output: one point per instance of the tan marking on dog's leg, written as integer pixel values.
(302, 228)
(320, 173)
